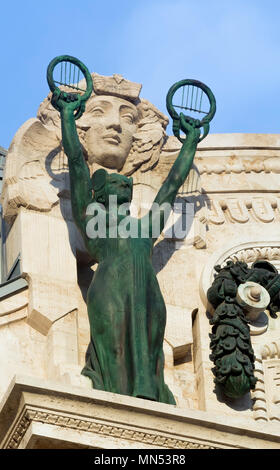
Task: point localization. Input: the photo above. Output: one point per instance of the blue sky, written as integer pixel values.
(232, 46)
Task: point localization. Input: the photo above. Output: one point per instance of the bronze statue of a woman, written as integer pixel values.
(126, 309)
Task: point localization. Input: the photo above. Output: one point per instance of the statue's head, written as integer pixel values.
(105, 185)
(118, 130)
(112, 123)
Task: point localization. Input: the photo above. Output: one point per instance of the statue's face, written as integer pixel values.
(120, 186)
(112, 125)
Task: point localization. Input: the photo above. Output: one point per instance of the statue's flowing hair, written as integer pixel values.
(147, 141)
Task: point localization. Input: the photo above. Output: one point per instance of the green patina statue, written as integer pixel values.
(126, 309)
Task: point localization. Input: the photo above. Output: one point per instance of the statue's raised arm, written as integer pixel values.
(195, 98)
(71, 105)
(182, 165)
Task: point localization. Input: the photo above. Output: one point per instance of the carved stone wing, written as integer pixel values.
(26, 181)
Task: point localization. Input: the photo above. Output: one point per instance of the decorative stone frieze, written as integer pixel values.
(43, 412)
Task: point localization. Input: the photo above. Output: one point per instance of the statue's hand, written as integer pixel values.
(189, 128)
(67, 101)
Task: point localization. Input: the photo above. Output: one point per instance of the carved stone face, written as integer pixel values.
(112, 124)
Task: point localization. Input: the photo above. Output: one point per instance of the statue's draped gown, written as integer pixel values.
(127, 320)
(125, 306)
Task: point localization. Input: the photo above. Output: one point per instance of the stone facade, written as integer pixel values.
(231, 203)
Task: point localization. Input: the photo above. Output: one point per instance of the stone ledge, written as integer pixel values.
(240, 140)
(38, 414)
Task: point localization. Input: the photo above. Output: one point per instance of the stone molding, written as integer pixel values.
(269, 252)
(265, 164)
(14, 307)
(158, 440)
(225, 154)
(267, 370)
(34, 411)
(242, 210)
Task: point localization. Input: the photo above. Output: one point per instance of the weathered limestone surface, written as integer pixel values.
(231, 208)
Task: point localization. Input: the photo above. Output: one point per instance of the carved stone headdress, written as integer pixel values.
(148, 139)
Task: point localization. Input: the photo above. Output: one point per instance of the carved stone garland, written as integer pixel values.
(231, 347)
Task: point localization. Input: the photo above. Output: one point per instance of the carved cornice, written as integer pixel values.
(234, 154)
(241, 210)
(102, 428)
(36, 412)
(238, 165)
